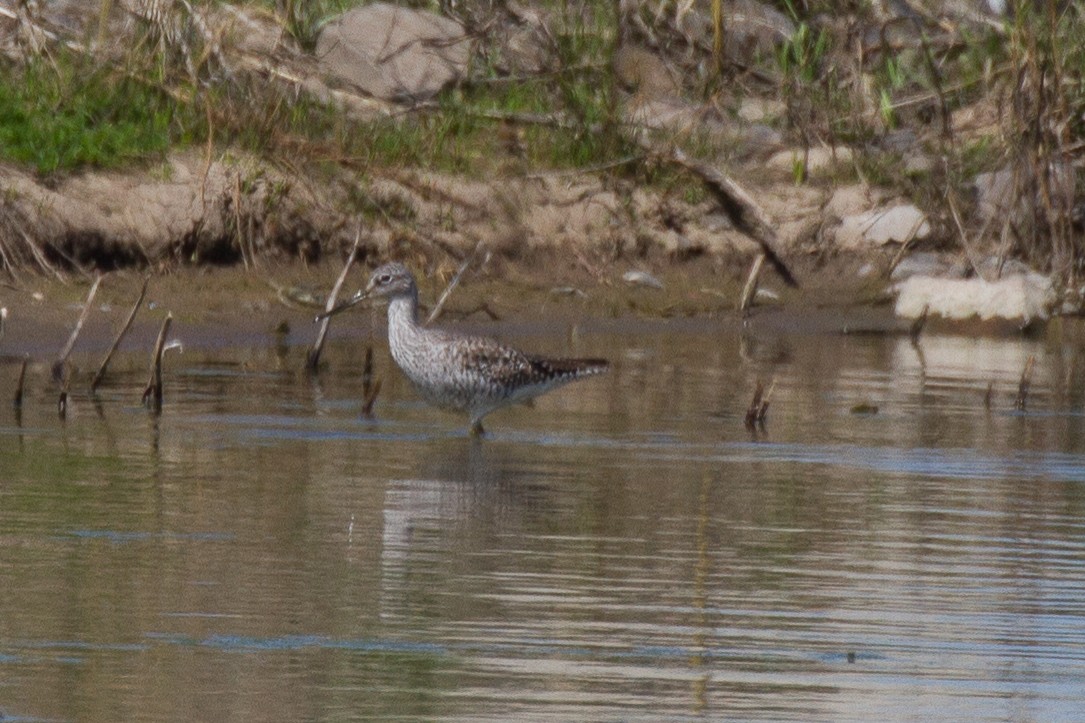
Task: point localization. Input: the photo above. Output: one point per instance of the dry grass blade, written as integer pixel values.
(120, 335)
(312, 359)
(62, 359)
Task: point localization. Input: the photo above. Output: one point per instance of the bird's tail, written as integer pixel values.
(571, 369)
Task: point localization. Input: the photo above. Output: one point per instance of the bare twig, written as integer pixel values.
(439, 307)
(62, 359)
(1023, 386)
(152, 395)
(312, 359)
(750, 289)
(963, 235)
(120, 335)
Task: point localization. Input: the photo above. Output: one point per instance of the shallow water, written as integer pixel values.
(624, 550)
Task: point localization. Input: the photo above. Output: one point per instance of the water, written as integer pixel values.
(625, 550)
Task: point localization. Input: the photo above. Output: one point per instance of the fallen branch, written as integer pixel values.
(116, 342)
(152, 395)
(62, 360)
(312, 359)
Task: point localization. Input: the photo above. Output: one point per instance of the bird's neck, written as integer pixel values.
(403, 311)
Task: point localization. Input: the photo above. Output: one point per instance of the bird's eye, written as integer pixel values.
(384, 279)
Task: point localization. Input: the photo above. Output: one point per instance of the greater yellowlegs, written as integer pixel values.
(471, 374)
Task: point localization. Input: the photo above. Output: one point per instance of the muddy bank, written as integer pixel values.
(231, 306)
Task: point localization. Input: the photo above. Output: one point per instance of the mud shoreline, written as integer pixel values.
(229, 306)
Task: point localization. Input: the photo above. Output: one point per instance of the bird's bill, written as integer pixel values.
(357, 298)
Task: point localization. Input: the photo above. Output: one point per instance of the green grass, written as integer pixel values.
(67, 115)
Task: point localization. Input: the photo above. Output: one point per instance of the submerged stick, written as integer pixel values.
(750, 288)
(759, 405)
(436, 313)
(116, 342)
(17, 401)
(312, 359)
(58, 365)
(370, 387)
(1022, 387)
(152, 395)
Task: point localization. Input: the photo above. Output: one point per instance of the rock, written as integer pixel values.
(642, 278)
(994, 194)
(393, 52)
(818, 159)
(1021, 298)
(899, 223)
(848, 201)
(760, 110)
(926, 263)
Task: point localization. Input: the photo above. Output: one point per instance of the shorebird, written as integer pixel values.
(471, 374)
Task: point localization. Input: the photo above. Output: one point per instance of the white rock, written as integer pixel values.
(1021, 298)
(642, 278)
(899, 223)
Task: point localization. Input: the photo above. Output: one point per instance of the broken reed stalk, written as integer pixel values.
(918, 324)
(116, 342)
(370, 387)
(312, 359)
(759, 405)
(750, 289)
(152, 395)
(1022, 387)
(436, 313)
(62, 359)
(17, 401)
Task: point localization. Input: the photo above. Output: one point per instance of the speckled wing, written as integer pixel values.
(508, 370)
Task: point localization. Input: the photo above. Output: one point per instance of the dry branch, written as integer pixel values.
(152, 395)
(62, 359)
(739, 206)
(116, 342)
(312, 359)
